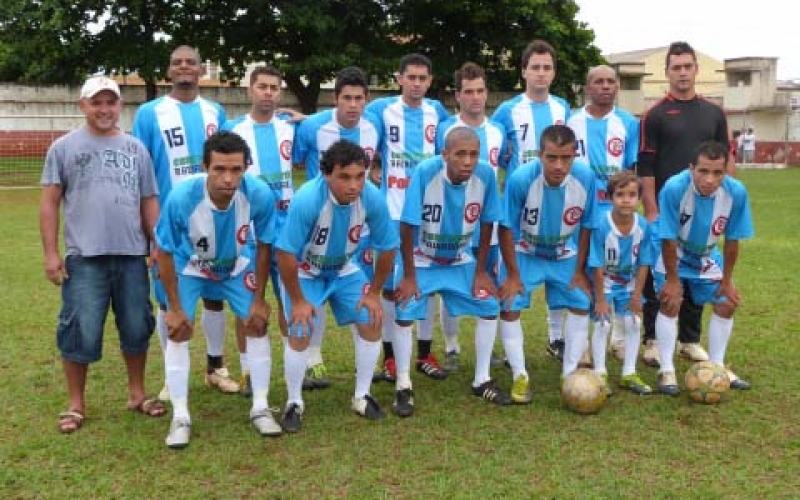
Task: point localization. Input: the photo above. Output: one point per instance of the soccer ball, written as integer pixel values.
(706, 382)
(582, 391)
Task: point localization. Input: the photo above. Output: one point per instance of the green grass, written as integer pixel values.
(454, 447)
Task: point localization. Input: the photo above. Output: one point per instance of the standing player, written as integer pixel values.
(202, 236)
(671, 131)
(698, 207)
(408, 128)
(173, 128)
(314, 136)
(608, 140)
(105, 181)
(524, 117)
(620, 256)
(458, 195)
(549, 211)
(315, 251)
(471, 95)
(270, 140)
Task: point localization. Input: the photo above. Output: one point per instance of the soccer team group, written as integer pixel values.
(402, 204)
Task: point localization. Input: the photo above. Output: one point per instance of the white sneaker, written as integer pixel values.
(692, 351)
(265, 423)
(179, 432)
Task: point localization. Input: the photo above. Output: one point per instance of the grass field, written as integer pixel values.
(455, 446)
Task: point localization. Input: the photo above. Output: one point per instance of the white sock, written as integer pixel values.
(403, 344)
(485, 333)
(618, 328)
(632, 336)
(260, 356)
(214, 328)
(161, 328)
(388, 319)
(599, 342)
(719, 334)
(514, 346)
(666, 336)
(449, 329)
(176, 361)
(367, 354)
(425, 326)
(315, 347)
(576, 341)
(555, 324)
(294, 368)
(243, 361)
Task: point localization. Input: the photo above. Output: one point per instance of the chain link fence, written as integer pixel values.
(24, 140)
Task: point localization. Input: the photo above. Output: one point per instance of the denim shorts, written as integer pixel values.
(94, 284)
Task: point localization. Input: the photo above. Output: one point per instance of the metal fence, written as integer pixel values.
(24, 140)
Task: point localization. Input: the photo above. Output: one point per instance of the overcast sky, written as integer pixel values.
(722, 29)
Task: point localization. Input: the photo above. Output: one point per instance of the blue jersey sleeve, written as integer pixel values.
(303, 213)
(631, 142)
(740, 224)
(263, 201)
(492, 209)
(415, 194)
(514, 200)
(301, 145)
(171, 224)
(669, 203)
(597, 248)
(647, 254)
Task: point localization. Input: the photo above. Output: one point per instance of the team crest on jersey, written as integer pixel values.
(483, 294)
(718, 227)
(430, 133)
(615, 146)
(471, 212)
(286, 149)
(241, 233)
(249, 280)
(211, 129)
(572, 215)
(354, 234)
(494, 156)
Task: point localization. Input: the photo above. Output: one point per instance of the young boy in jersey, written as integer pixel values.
(549, 211)
(458, 195)
(202, 237)
(619, 260)
(315, 261)
(697, 207)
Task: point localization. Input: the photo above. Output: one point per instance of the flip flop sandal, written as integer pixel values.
(70, 421)
(150, 407)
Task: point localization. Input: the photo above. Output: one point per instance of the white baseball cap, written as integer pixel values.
(97, 84)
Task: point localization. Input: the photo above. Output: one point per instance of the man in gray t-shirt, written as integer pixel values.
(104, 179)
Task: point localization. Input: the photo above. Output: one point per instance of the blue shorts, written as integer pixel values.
(160, 293)
(342, 292)
(238, 291)
(556, 276)
(454, 284)
(94, 284)
(493, 260)
(702, 290)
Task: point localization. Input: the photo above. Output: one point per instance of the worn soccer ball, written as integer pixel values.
(706, 382)
(582, 391)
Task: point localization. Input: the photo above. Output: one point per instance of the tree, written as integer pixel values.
(494, 34)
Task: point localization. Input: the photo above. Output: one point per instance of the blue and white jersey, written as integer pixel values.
(608, 144)
(323, 235)
(270, 156)
(491, 134)
(524, 120)
(174, 132)
(318, 132)
(445, 215)
(546, 220)
(697, 222)
(209, 242)
(408, 136)
(620, 255)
